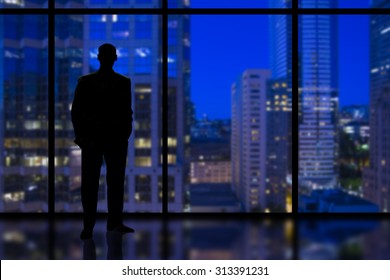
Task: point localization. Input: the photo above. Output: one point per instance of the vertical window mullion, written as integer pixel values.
(51, 97)
(295, 132)
(165, 107)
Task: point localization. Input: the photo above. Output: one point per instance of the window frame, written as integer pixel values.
(51, 11)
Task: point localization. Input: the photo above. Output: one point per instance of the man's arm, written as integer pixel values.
(77, 113)
(129, 110)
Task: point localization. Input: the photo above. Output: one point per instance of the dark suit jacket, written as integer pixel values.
(101, 109)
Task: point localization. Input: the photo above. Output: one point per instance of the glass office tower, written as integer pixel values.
(279, 118)
(23, 113)
(376, 178)
(318, 98)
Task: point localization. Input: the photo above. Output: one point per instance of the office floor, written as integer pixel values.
(200, 238)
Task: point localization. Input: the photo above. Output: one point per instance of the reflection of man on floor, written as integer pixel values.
(102, 120)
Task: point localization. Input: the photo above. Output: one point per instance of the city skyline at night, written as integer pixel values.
(353, 38)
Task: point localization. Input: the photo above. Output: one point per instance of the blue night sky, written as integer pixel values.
(223, 46)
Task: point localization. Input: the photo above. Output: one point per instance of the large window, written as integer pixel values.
(23, 113)
(239, 106)
(138, 58)
(343, 85)
(234, 160)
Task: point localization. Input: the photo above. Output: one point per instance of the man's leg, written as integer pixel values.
(115, 157)
(91, 161)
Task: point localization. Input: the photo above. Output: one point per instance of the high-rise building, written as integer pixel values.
(278, 145)
(180, 107)
(23, 111)
(318, 98)
(279, 106)
(281, 43)
(69, 53)
(248, 139)
(376, 178)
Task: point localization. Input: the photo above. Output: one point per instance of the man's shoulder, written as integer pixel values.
(122, 78)
(88, 77)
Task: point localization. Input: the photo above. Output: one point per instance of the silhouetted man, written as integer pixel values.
(102, 120)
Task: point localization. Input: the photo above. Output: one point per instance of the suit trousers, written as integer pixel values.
(92, 155)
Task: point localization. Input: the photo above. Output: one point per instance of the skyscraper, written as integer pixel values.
(248, 139)
(278, 145)
(279, 121)
(281, 43)
(23, 112)
(318, 98)
(376, 178)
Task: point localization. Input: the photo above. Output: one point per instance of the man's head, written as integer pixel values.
(107, 56)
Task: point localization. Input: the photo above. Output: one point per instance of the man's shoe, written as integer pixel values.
(86, 234)
(121, 228)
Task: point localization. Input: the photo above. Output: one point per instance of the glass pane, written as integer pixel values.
(339, 133)
(215, 142)
(229, 4)
(18, 4)
(23, 113)
(137, 40)
(108, 4)
(376, 178)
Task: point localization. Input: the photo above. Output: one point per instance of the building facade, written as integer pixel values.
(248, 139)
(279, 109)
(376, 178)
(278, 145)
(318, 98)
(23, 112)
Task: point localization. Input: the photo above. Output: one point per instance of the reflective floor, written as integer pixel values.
(186, 238)
(352, 239)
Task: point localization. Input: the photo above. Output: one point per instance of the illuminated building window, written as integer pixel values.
(172, 142)
(143, 188)
(142, 143)
(143, 161)
(13, 197)
(171, 159)
(31, 125)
